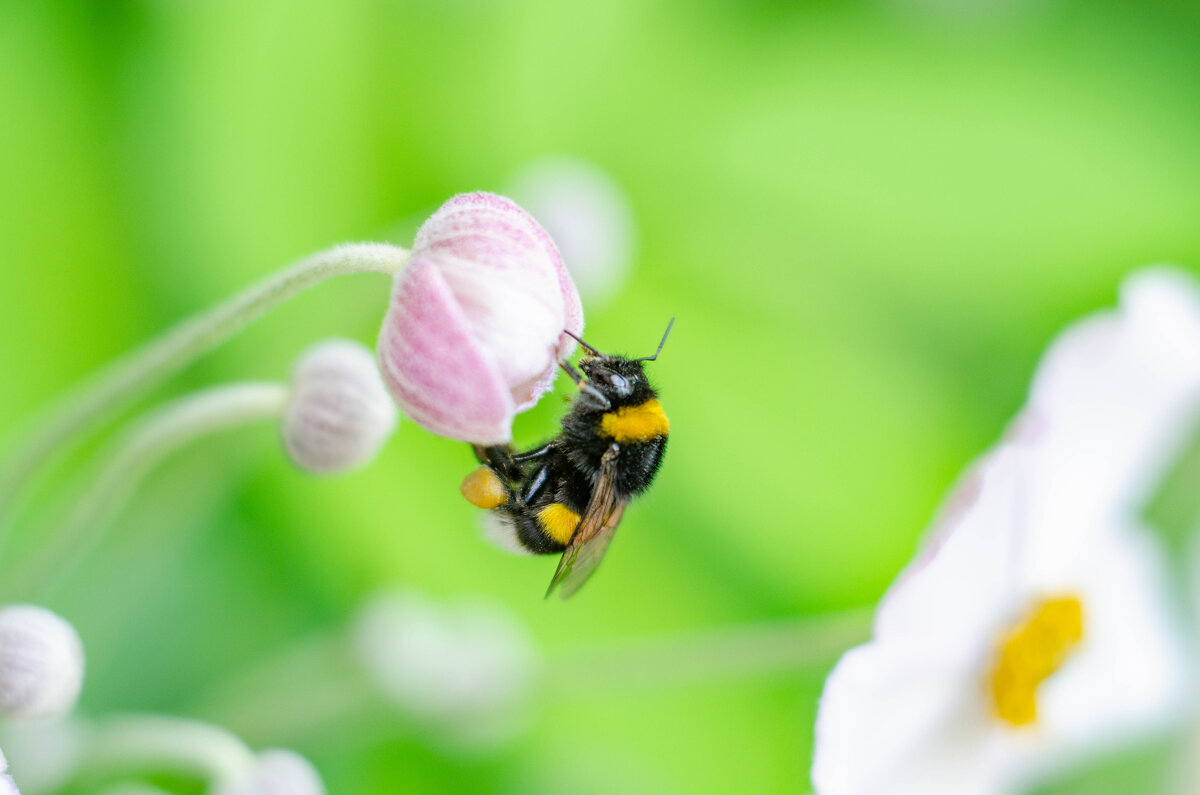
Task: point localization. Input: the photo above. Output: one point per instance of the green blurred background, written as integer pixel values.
(869, 219)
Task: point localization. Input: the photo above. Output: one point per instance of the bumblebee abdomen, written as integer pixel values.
(558, 521)
(520, 529)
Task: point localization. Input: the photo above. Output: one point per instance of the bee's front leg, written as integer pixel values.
(501, 458)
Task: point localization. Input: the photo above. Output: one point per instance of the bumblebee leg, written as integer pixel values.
(571, 372)
(500, 458)
(535, 453)
(588, 395)
(534, 486)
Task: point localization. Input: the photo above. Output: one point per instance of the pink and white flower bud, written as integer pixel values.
(475, 327)
(338, 414)
(41, 663)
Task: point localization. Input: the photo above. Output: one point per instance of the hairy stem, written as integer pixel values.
(136, 453)
(115, 387)
(713, 655)
(262, 703)
(153, 743)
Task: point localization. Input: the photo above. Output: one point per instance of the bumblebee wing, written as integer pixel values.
(595, 532)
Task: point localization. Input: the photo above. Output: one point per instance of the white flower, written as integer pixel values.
(275, 772)
(41, 663)
(338, 413)
(1034, 627)
(588, 216)
(466, 669)
(1116, 396)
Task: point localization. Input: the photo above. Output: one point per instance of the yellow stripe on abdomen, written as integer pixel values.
(635, 423)
(558, 521)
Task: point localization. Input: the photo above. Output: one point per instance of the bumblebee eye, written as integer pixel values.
(619, 383)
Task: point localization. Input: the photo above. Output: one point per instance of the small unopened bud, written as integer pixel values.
(275, 772)
(465, 669)
(41, 663)
(339, 414)
(589, 218)
(475, 327)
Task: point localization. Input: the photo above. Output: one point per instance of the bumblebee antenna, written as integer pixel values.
(660, 344)
(592, 350)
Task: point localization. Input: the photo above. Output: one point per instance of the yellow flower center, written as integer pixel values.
(1032, 650)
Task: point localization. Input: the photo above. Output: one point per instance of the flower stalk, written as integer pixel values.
(709, 657)
(261, 703)
(118, 385)
(150, 441)
(149, 742)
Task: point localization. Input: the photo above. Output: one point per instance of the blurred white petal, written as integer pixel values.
(949, 597)
(1130, 674)
(466, 669)
(587, 214)
(892, 720)
(1045, 519)
(1118, 394)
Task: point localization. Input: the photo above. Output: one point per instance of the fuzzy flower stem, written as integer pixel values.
(257, 705)
(142, 447)
(152, 743)
(312, 683)
(134, 788)
(711, 656)
(115, 387)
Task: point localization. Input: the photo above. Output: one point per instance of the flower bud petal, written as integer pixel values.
(339, 414)
(475, 327)
(276, 772)
(41, 663)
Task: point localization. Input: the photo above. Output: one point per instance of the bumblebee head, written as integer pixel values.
(619, 379)
(616, 377)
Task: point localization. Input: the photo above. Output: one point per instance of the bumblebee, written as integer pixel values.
(568, 495)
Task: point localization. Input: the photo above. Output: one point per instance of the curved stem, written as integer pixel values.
(142, 447)
(134, 788)
(113, 388)
(155, 743)
(261, 702)
(710, 656)
(312, 683)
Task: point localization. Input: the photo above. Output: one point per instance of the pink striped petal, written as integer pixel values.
(432, 366)
(501, 279)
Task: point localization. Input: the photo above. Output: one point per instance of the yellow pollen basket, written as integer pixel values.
(558, 521)
(635, 423)
(1029, 653)
(483, 489)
